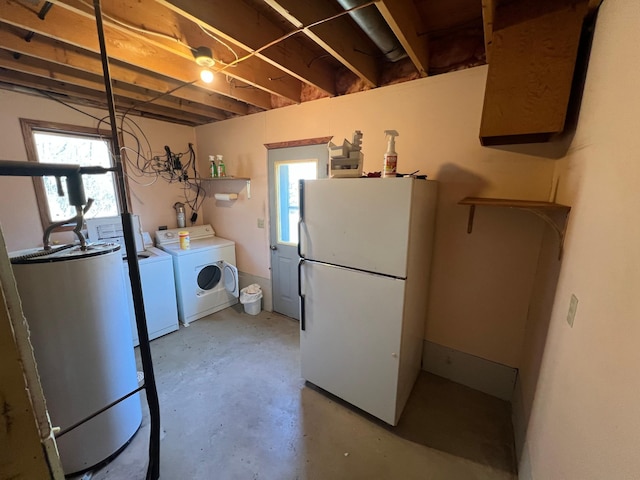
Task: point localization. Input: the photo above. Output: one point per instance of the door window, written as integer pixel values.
(288, 175)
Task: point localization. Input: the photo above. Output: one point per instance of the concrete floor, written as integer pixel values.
(234, 407)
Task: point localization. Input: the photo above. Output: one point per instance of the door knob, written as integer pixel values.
(273, 247)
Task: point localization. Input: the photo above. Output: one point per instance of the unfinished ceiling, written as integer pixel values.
(268, 53)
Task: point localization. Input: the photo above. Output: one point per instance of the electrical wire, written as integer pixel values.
(237, 60)
(140, 30)
(221, 42)
(295, 32)
(164, 35)
(146, 165)
(55, 99)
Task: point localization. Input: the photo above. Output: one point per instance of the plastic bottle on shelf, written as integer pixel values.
(222, 172)
(214, 167)
(390, 156)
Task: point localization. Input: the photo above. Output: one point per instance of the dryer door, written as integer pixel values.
(208, 278)
(231, 279)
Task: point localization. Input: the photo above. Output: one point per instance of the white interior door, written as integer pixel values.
(287, 166)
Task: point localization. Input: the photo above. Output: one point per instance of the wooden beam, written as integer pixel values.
(488, 11)
(40, 68)
(123, 47)
(177, 35)
(247, 28)
(305, 142)
(401, 16)
(85, 96)
(336, 36)
(57, 53)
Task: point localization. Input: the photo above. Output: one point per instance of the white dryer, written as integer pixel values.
(205, 274)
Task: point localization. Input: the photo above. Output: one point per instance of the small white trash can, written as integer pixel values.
(251, 297)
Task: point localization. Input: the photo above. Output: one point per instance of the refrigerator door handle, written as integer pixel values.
(301, 201)
(300, 238)
(302, 318)
(301, 219)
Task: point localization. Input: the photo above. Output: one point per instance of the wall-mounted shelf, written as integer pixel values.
(227, 179)
(540, 209)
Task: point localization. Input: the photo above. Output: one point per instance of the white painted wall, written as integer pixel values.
(18, 210)
(584, 419)
(481, 282)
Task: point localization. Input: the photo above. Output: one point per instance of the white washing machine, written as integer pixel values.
(205, 273)
(158, 292)
(156, 276)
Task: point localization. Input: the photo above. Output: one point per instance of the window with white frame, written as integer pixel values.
(49, 142)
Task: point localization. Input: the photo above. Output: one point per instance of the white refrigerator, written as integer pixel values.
(365, 248)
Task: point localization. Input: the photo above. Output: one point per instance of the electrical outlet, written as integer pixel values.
(573, 306)
(261, 223)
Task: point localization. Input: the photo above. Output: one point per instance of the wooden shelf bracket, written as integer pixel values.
(540, 209)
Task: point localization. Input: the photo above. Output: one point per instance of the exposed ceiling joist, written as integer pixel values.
(69, 76)
(125, 48)
(402, 17)
(250, 29)
(57, 53)
(153, 23)
(64, 91)
(269, 53)
(337, 36)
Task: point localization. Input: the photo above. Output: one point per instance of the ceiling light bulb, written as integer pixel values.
(206, 76)
(204, 57)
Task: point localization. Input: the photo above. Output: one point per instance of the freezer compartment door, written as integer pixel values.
(350, 344)
(357, 223)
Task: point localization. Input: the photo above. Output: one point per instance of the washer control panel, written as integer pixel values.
(165, 237)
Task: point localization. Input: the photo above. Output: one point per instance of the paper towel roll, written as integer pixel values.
(226, 197)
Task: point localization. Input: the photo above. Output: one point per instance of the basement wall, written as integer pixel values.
(577, 416)
(481, 283)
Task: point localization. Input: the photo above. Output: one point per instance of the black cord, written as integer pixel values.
(152, 166)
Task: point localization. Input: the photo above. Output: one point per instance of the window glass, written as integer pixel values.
(85, 151)
(288, 176)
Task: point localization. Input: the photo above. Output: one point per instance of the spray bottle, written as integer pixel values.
(390, 156)
(222, 172)
(214, 167)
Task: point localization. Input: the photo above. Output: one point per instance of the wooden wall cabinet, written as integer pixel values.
(533, 51)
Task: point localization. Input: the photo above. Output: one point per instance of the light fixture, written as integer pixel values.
(206, 76)
(204, 57)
